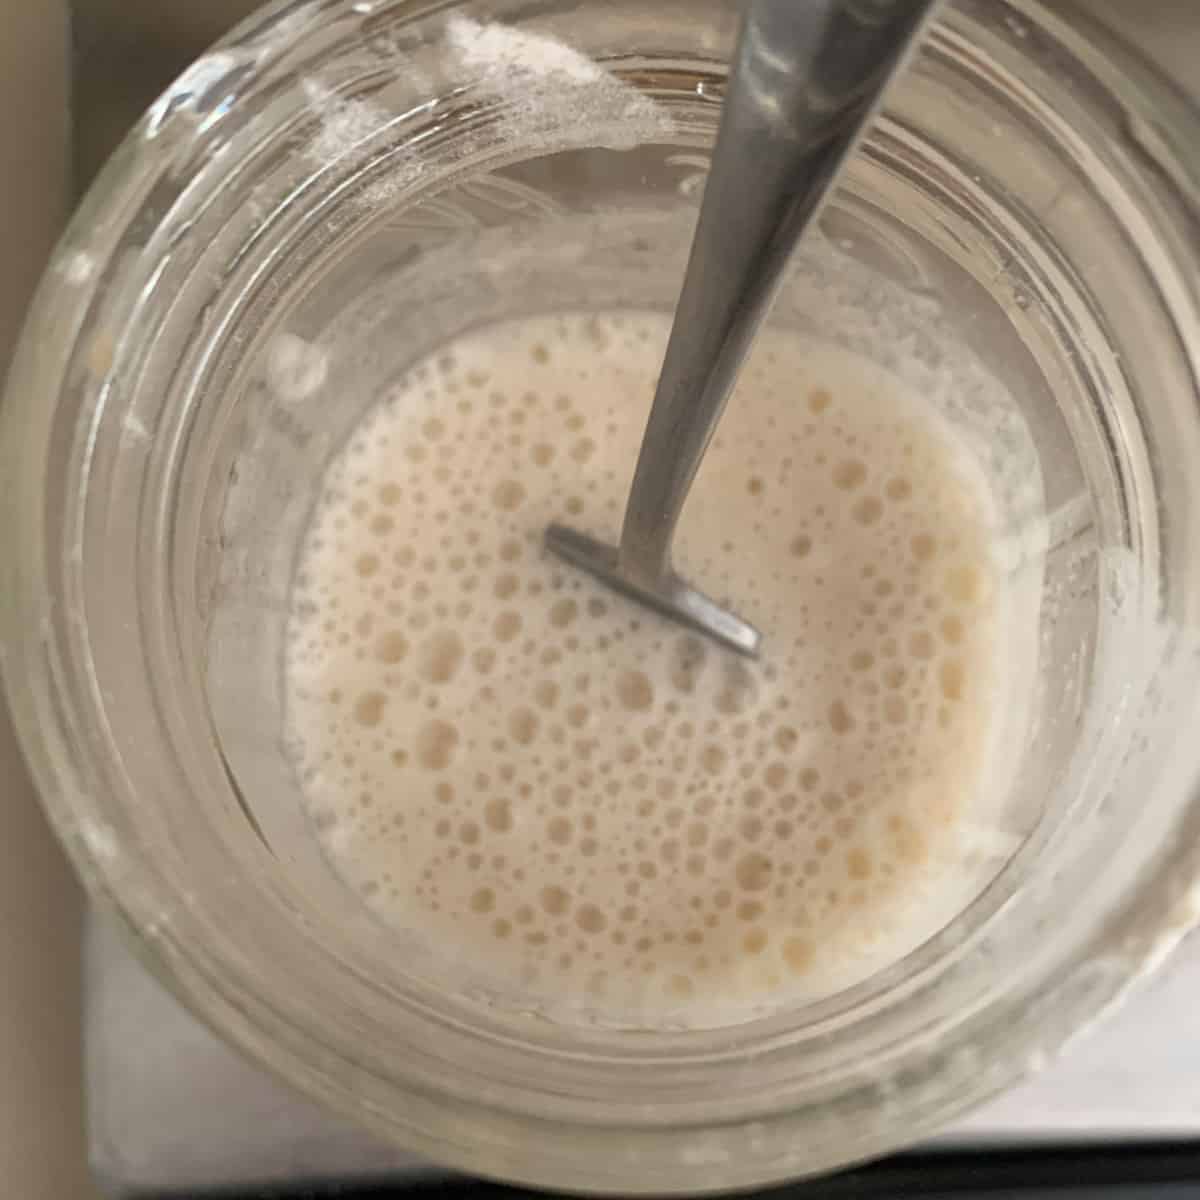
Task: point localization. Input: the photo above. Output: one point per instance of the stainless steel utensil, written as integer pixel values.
(808, 76)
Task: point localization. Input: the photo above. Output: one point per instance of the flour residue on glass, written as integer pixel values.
(542, 94)
(550, 90)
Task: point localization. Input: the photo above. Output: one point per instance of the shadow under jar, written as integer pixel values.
(333, 192)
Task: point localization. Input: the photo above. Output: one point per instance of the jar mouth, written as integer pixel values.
(1021, 138)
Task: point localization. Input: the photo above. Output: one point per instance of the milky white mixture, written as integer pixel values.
(601, 814)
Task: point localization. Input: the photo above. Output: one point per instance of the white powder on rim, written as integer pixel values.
(551, 91)
(295, 368)
(548, 96)
(499, 52)
(345, 124)
(78, 267)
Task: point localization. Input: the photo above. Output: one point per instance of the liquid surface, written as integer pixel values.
(575, 802)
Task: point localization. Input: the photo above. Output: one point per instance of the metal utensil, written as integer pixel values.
(807, 77)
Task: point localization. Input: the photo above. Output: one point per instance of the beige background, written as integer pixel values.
(41, 1143)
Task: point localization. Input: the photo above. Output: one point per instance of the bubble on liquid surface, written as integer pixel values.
(585, 803)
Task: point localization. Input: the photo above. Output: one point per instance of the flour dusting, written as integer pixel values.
(500, 52)
(345, 124)
(551, 92)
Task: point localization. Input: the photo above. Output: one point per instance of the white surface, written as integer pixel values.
(172, 1107)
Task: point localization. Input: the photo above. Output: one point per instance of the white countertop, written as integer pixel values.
(172, 1107)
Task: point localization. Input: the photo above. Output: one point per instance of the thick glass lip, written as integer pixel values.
(60, 711)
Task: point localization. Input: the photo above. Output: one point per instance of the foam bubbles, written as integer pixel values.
(435, 743)
(441, 656)
(598, 812)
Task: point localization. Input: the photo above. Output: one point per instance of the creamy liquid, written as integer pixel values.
(581, 804)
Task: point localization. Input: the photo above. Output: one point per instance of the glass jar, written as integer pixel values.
(339, 187)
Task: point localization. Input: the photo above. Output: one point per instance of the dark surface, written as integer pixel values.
(1163, 1171)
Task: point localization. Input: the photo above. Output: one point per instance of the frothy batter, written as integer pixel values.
(603, 814)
